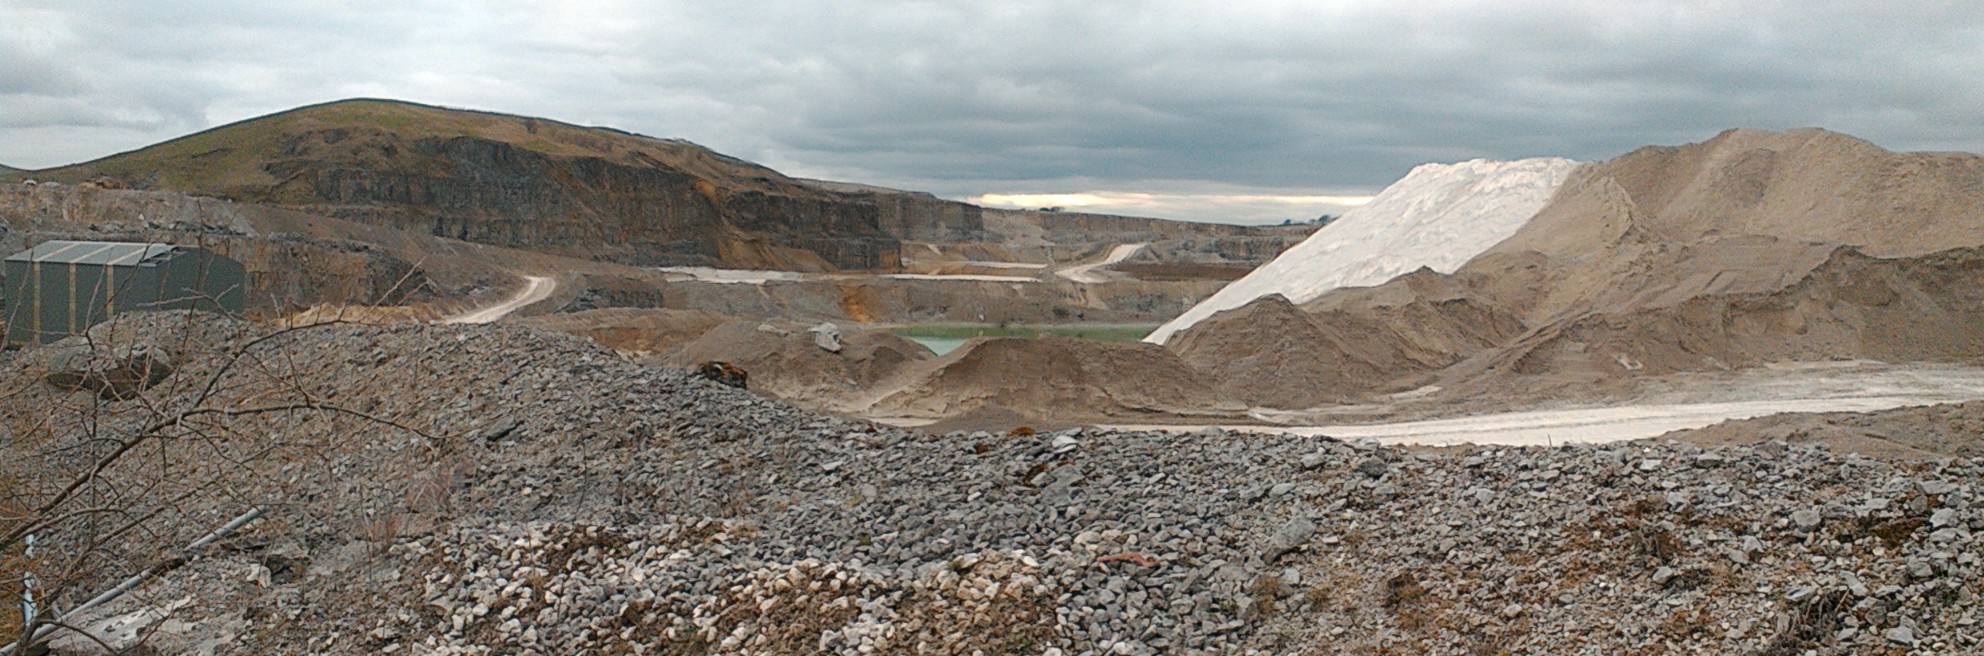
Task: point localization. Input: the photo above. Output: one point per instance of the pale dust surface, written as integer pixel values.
(958, 276)
(1831, 387)
(733, 276)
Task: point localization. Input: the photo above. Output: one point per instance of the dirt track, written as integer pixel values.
(536, 288)
(1085, 273)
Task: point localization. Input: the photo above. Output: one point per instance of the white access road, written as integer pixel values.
(1085, 273)
(536, 288)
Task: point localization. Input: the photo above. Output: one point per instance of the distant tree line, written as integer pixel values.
(1318, 221)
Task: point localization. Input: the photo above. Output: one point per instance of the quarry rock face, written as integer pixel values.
(492, 192)
(609, 196)
(540, 185)
(288, 267)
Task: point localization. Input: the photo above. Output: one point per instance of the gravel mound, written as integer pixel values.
(1274, 353)
(786, 360)
(1053, 378)
(557, 498)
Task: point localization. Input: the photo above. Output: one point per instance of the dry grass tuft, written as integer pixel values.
(1266, 589)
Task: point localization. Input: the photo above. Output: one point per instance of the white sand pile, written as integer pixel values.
(1439, 216)
(1750, 248)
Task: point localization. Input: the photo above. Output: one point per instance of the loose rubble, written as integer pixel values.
(567, 500)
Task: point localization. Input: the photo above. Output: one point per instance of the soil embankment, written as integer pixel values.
(786, 359)
(1052, 378)
(1915, 433)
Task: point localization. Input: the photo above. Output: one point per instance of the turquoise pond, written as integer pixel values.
(939, 345)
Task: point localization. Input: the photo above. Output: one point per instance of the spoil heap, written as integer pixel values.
(1921, 432)
(787, 361)
(1751, 247)
(513, 491)
(1438, 216)
(1059, 378)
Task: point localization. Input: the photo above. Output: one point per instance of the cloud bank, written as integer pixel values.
(1167, 106)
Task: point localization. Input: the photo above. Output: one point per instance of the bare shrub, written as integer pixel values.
(116, 487)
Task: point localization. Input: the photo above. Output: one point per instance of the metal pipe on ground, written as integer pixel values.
(45, 630)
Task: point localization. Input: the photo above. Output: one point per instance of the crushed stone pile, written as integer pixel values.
(557, 498)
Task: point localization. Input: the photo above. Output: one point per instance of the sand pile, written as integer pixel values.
(785, 362)
(1708, 256)
(1052, 378)
(1438, 216)
(1915, 309)
(1654, 227)
(1338, 355)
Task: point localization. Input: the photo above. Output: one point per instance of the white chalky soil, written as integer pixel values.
(1438, 216)
(1859, 387)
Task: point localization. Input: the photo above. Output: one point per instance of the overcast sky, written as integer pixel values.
(1236, 111)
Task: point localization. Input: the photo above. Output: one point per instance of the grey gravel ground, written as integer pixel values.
(563, 500)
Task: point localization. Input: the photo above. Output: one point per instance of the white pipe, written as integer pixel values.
(27, 585)
(140, 577)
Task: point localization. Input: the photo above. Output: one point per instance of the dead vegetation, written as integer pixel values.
(120, 485)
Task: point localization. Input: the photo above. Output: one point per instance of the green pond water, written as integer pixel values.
(939, 345)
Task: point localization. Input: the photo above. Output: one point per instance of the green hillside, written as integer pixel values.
(235, 160)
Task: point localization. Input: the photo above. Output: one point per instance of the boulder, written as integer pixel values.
(113, 373)
(826, 336)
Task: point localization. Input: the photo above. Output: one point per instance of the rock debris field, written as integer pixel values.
(559, 499)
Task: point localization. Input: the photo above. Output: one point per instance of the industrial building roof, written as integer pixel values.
(100, 253)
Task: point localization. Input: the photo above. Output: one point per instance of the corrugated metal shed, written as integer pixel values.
(61, 288)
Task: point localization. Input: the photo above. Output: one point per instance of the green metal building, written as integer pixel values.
(61, 288)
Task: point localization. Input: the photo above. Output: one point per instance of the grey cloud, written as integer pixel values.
(963, 98)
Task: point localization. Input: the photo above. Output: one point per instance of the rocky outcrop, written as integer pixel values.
(915, 215)
(596, 193)
(539, 185)
(492, 192)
